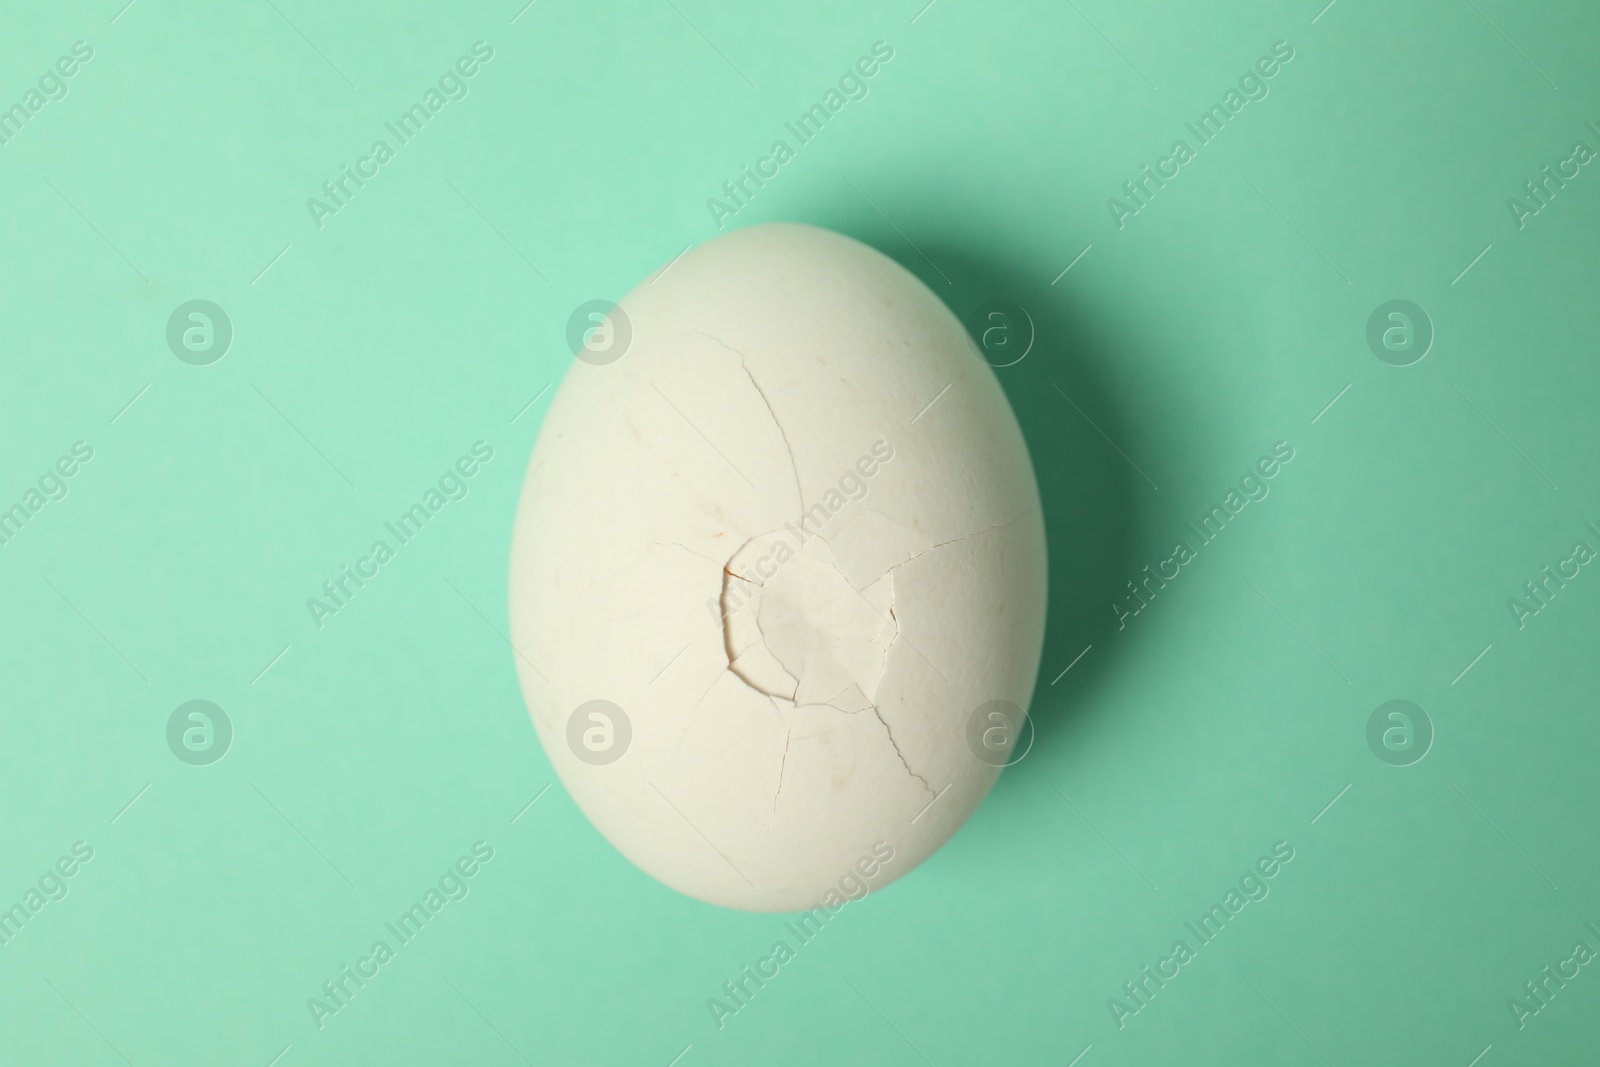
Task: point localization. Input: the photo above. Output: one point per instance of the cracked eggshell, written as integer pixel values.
(796, 578)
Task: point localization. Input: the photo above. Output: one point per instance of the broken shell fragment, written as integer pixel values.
(788, 542)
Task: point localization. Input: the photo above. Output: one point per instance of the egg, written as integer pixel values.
(777, 584)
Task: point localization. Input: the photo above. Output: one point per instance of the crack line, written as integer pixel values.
(877, 711)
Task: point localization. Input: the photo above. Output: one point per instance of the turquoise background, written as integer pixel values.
(430, 313)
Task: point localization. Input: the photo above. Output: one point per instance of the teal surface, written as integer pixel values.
(1442, 901)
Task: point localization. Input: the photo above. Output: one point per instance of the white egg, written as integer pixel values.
(772, 567)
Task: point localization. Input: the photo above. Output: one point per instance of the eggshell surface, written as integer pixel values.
(768, 565)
